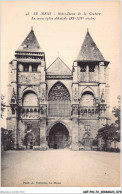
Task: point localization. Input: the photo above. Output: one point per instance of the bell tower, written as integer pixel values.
(90, 91)
(27, 94)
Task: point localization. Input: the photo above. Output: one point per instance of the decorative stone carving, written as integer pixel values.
(75, 110)
(59, 92)
(29, 101)
(59, 101)
(13, 103)
(75, 95)
(42, 95)
(13, 98)
(102, 96)
(102, 110)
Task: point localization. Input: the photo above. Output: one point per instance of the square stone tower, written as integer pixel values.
(90, 92)
(27, 94)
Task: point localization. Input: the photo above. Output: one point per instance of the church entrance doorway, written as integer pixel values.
(58, 137)
(87, 142)
(29, 141)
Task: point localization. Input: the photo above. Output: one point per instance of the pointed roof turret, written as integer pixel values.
(89, 50)
(30, 44)
(30, 51)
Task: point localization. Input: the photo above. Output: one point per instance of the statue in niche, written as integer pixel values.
(103, 108)
(43, 110)
(102, 96)
(75, 110)
(13, 99)
(43, 95)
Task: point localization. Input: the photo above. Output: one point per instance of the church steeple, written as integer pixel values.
(30, 44)
(29, 50)
(89, 50)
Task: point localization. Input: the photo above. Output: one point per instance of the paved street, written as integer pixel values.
(60, 168)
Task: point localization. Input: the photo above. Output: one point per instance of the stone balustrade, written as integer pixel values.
(86, 112)
(35, 112)
(32, 112)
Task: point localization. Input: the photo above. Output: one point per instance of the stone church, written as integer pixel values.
(57, 107)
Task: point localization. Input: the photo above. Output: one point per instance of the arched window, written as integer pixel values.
(59, 101)
(87, 99)
(30, 99)
(31, 112)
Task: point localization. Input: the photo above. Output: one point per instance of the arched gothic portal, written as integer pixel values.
(59, 101)
(58, 137)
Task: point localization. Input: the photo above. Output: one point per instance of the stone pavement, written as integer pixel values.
(60, 168)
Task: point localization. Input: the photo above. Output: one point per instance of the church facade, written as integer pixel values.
(57, 107)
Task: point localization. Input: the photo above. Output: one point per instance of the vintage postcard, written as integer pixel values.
(60, 94)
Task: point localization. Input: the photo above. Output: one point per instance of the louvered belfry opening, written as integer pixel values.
(59, 103)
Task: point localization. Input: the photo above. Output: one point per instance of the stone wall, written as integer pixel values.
(29, 78)
(96, 82)
(29, 126)
(88, 126)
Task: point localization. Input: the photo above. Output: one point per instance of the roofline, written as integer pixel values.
(30, 51)
(92, 61)
(26, 38)
(55, 60)
(100, 59)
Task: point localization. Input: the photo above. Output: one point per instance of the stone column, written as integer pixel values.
(96, 73)
(39, 68)
(87, 73)
(75, 77)
(43, 107)
(20, 68)
(107, 91)
(43, 142)
(75, 132)
(12, 119)
(75, 108)
(30, 68)
(21, 134)
(101, 72)
(14, 129)
(107, 75)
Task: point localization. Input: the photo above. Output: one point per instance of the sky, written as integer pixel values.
(62, 38)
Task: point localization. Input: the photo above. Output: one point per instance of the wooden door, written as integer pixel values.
(87, 144)
(58, 140)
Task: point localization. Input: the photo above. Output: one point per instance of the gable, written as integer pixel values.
(58, 67)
